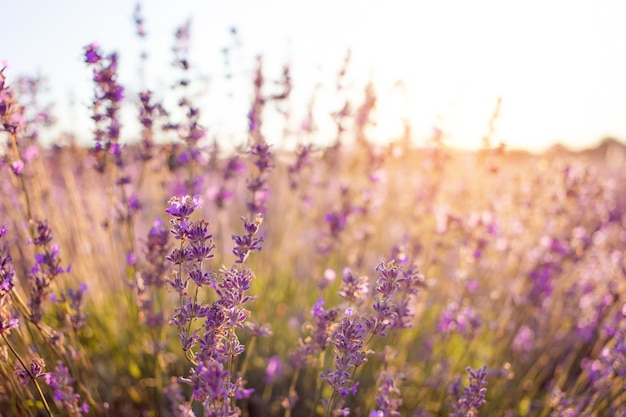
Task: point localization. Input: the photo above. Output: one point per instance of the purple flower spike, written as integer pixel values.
(182, 208)
(473, 397)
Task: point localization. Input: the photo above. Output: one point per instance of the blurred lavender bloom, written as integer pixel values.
(7, 281)
(273, 370)
(257, 185)
(472, 398)
(389, 397)
(454, 319)
(353, 288)
(35, 371)
(61, 381)
(45, 270)
(106, 105)
(77, 305)
(524, 340)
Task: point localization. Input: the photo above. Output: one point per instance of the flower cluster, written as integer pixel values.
(389, 397)
(108, 95)
(468, 402)
(353, 288)
(464, 321)
(218, 346)
(10, 112)
(149, 112)
(247, 243)
(61, 382)
(195, 247)
(7, 281)
(35, 371)
(47, 267)
(257, 185)
(348, 341)
(232, 167)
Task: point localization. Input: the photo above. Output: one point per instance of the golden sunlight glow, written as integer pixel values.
(558, 66)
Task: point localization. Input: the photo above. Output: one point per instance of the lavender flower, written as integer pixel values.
(257, 185)
(388, 399)
(303, 160)
(465, 321)
(61, 381)
(473, 397)
(321, 332)
(353, 288)
(7, 282)
(108, 95)
(246, 243)
(178, 405)
(35, 371)
(348, 341)
(44, 272)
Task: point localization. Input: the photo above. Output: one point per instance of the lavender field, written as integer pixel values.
(177, 275)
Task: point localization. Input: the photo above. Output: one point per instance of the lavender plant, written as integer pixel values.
(525, 267)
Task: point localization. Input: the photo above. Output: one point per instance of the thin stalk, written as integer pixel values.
(292, 388)
(32, 377)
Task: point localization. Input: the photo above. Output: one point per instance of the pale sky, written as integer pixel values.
(559, 66)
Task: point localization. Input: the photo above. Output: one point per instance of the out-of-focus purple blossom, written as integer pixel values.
(45, 270)
(328, 278)
(139, 21)
(303, 160)
(610, 363)
(473, 397)
(108, 95)
(17, 167)
(562, 405)
(7, 281)
(258, 103)
(454, 319)
(76, 301)
(336, 222)
(131, 259)
(35, 371)
(273, 370)
(321, 330)
(178, 404)
(149, 113)
(259, 330)
(257, 185)
(156, 253)
(61, 381)
(92, 53)
(389, 397)
(353, 288)
(524, 340)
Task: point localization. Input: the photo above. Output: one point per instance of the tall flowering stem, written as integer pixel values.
(12, 122)
(212, 377)
(257, 185)
(47, 267)
(195, 246)
(9, 321)
(108, 95)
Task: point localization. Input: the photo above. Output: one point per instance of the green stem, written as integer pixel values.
(32, 377)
